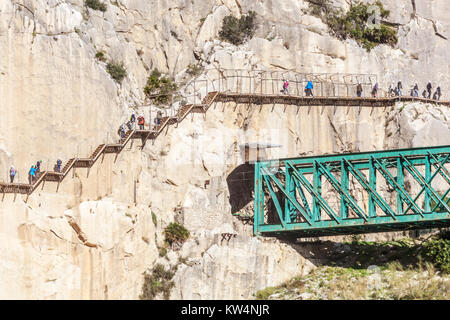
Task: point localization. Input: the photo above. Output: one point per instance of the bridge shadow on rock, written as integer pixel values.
(404, 252)
(240, 184)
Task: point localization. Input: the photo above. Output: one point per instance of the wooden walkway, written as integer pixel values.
(144, 135)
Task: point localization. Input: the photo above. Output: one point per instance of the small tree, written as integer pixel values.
(159, 88)
(100, 55)
(96, 5)
(237, 31)
(176, 233)
(116, 70)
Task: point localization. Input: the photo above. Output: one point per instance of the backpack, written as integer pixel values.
(13, 172)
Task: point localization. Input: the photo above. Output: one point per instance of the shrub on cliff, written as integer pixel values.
(354, 23)
(159, 88)
(96, 5)
(116, 70)
(156, 282)
(100, 55)
(438, 252)
(176, 233)
(237, 31)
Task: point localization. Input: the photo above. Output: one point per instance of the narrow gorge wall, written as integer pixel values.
(90, 240)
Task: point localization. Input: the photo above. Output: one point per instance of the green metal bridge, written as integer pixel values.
(353, 193)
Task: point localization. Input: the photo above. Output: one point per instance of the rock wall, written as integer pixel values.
(91, 239)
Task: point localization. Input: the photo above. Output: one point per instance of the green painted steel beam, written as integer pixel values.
(288, 197)
(304, 182)
(344, 194)
(378, 221)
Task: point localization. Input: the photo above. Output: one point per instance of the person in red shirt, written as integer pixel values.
(141, 122)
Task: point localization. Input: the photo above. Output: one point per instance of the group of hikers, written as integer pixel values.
(34, 171)
(308, 89)
(131, 124)
(394, 91)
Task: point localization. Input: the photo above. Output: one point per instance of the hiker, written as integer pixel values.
(308, 89)
(133, 120)
(429, 89)
(438, 91)
(121, 132)
(12, 173)
(129, 125)
(31, 174)
(399, 89)
(424, 94)
(416, 90)
(391, 90)
(285, 87)
(375, 90)
(359, 90)
(58, 165)
(38, 167)
(435, 96)
(141, 122)
(158, 118)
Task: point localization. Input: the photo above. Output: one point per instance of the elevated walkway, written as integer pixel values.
(207, 101)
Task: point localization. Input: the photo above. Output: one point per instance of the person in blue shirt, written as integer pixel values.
(58, 165)
(309, 87)
(375, 90)
(32, 174)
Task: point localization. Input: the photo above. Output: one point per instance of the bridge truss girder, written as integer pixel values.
(301, 208)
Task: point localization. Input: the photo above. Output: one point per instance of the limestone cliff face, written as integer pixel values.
(90, 239)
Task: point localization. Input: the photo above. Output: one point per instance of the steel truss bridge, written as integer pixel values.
(376, 192)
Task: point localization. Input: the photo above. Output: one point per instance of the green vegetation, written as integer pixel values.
(265, 293)
(437, 251)
(96, 5)
(354, 23)
(194, 70)
(156, 282)
(100, 55)
(393, 283)
(116, 70)
(159, 88)
(237, 31)
(403, 269)
(176, 233)
(155, 221)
